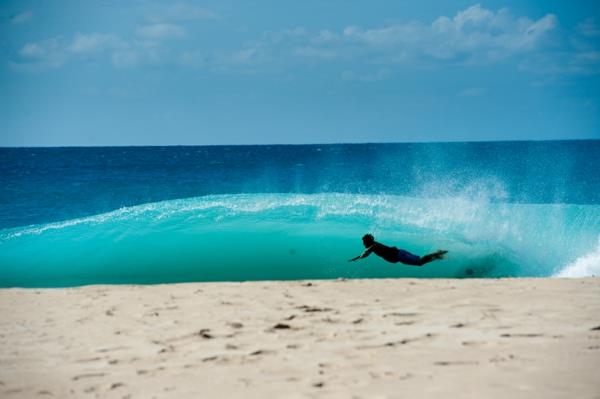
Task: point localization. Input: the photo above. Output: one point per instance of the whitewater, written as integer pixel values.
(291, 235)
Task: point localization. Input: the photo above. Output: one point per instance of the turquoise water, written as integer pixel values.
(164, 214)
(294, 236)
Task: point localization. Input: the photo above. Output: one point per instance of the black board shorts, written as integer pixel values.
(408, 259)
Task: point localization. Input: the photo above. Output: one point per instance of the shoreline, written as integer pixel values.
(523, 337)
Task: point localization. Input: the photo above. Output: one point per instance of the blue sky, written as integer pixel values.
(220, 72)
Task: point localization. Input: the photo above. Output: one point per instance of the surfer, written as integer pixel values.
(394, 255)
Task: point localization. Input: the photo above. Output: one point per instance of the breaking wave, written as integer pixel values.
(240, 237)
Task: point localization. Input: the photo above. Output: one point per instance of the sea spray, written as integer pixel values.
(586, 265)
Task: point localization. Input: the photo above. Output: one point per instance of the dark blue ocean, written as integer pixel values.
(71, 216)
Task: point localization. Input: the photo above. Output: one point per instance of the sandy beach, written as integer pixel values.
(502, 338)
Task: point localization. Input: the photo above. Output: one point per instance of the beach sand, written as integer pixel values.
(518, 338)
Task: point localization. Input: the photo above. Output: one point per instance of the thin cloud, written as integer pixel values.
(49, 53)
(475, 34)
(22, 17)
(95, 43)
(181, 12)
(472, 92)
(55, 52)
(381, 74)
(160, 31)
(589, 28)
(316, 52)
(579, 56)
(565, 63)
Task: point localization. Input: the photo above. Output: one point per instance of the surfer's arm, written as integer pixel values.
(363, 255)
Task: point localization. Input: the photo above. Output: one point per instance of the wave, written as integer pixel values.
(301, 236)
(586, 265)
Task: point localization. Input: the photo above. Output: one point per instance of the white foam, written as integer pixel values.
(586, 265)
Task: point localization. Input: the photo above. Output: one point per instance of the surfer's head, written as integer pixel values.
(368, 240)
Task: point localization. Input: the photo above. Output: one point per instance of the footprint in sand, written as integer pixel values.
(260, 352)
(281, 326)
(14, 390)
(312, 309)
(87, 375)
(169, 348)
(143, 371)
(473, 343)
(405, 376)
(205, 333)
(527, 335)
(455, 363)
(500, 359)
(400, 314)
(87, 360)
(116, 348)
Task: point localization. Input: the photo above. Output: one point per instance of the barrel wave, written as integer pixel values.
(238, 237)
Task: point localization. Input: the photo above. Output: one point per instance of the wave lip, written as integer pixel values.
(295, 236)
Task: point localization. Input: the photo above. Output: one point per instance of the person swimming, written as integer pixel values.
(394, 255)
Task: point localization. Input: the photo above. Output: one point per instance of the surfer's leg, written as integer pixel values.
(431, 257)
(409, 259)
